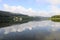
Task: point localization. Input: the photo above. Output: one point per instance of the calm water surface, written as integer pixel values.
(34, 30)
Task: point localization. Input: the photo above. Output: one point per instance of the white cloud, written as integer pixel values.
(53, 10)
(9, 8)
(54, 2)
(17, 9)
(20, 9)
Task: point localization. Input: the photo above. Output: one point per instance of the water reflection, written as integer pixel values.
(40, 30)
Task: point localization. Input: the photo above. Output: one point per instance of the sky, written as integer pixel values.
(45, 8)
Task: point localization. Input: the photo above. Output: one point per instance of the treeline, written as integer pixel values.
(55, 18)
(8, 18)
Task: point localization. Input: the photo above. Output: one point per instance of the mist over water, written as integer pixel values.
(34, 30)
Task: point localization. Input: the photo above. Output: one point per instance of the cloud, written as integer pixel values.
(53, 10)
(21, 9)
(16, 9)
(54, 2)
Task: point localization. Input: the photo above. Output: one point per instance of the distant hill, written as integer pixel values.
(9, 18)
(5, 13)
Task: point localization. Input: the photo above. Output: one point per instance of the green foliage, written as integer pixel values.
(7, 18)
(55, 18)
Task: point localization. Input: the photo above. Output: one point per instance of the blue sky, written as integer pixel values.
(32, 7)
(26, 3)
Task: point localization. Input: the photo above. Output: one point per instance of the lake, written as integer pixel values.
(34, 30)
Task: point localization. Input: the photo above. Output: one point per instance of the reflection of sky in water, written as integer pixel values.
(48, 24)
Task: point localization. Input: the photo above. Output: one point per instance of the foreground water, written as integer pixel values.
(34, 30)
